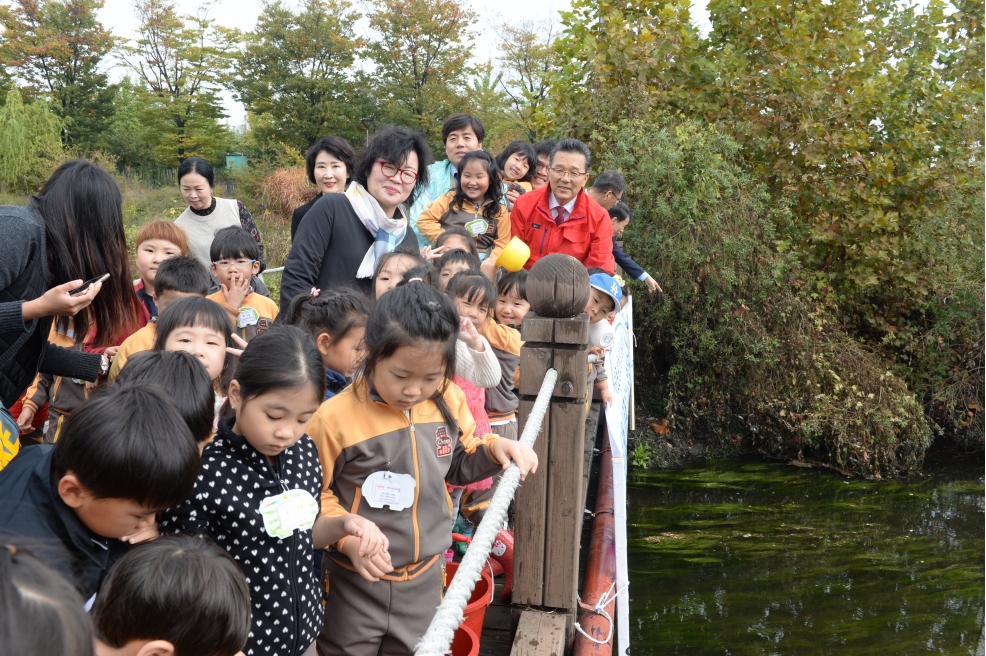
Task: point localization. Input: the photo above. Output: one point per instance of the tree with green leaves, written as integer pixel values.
(863, 120)
(422, 61)
(182, 62)
(293, 73)
(30, 143)
(528, 62)
(124, 137)
(56, 48)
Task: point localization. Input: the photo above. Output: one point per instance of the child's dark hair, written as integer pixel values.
(129, 441)
(455, 256)
(182, 274)
(334, 312)
(474, 287)
(179, 588)
(422, 273)
(279, 358)
(524, 149)
(186, 381)
(41, 613)
(459, 232)
(412, 314)
(513, 283)
(494, 193)
(387, 257)
(232, 243)
(195, 311)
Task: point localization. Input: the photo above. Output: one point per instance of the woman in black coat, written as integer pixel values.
(330, 163)
(344, 235)
(71, 231)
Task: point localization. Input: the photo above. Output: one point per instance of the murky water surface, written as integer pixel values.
(760, 558)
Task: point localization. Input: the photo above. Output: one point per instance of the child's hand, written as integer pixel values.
(512, 195)
(371, 539)
(429, 253)
(370, 569)
(506, 450)
(240, 342)
(25, 419)
(604, 393)
(597, 351)
(469, 335)
(239, 289)
(488, 267)
(149, 532)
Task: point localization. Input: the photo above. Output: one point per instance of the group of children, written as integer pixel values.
(326, 452)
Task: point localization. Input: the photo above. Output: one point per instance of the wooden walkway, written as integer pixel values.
(498, 625)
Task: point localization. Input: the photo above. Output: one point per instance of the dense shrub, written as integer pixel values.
(733, 351)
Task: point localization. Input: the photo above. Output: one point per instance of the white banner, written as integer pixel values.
(619, 366)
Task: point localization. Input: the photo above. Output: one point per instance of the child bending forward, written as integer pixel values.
(388, 443)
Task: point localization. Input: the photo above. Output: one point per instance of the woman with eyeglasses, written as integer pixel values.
(207, 214)
(343, 236)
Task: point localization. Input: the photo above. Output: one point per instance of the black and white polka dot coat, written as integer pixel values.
(286, 613)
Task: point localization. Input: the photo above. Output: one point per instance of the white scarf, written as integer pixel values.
(387, 232)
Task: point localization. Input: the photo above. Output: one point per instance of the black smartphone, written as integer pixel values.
(516, 187)
(87, 284)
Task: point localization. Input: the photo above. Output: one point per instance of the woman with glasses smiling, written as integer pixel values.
(343, 236)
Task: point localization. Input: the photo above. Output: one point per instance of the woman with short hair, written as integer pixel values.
(343, 235)
(329, 163)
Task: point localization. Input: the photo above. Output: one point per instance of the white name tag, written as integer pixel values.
(248, 317)
(285, 513)
(384, 488)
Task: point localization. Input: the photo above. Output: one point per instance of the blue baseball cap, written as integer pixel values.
(607, 284)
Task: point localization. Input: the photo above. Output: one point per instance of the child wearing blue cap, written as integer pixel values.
(605, 296)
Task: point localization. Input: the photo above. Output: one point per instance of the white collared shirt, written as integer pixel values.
(553, 203)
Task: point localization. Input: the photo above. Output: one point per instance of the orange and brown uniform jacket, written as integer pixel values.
(265, 309)
(357, 434)
(440, 216)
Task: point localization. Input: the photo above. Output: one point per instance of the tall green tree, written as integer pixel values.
(421, 60)
(182, 62)
(293, 73)
(57, 48)
(528, 63)
(864, 120)
(30, 143)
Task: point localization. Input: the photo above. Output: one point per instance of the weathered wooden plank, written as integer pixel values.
(566, 447)
(537, 329)
(534, 364)
(539, 634)
(573, 372)
(571, 331)
(591, 427)
(529, 520)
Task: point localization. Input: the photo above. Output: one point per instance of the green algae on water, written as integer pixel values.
(751, 558)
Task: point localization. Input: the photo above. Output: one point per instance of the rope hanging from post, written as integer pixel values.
(437, 639)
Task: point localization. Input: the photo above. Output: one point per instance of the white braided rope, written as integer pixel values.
(437, 639)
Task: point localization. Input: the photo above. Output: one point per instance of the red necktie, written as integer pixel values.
(560, 214)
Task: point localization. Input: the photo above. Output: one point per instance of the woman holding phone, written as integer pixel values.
(70, 232)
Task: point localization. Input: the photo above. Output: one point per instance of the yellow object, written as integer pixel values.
(514, 256)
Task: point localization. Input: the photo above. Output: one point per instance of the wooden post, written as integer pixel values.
(549, 505)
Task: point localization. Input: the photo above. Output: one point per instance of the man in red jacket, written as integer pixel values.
(561, 218)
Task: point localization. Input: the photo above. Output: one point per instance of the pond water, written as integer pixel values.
(761, 558)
